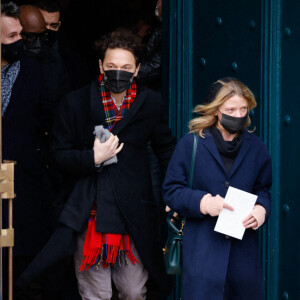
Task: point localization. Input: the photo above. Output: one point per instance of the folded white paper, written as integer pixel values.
(231, 222)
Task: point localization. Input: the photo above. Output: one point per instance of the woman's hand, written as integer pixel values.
(106, 150)
(213, 205)
(250, 222)
(256, 218)
(175, 214)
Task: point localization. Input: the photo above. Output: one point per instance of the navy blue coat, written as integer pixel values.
(212, 262)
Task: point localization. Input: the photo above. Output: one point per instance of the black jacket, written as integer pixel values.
(150, 70)
(55, 84)
(130, 180)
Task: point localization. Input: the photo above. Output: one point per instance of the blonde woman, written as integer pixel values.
(216, 266)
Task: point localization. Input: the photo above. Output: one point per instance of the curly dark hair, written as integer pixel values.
(48, 6)
(121, 38)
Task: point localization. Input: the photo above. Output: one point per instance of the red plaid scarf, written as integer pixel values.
(112, 114)
(108, 248)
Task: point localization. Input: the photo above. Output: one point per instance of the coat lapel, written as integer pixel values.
(212, 148)
(135, 106)
(98, 114)
(241, 154)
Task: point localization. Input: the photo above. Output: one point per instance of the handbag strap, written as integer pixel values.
(191, 179)
(193, 161)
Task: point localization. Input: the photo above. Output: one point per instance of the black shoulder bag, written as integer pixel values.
(173, 248)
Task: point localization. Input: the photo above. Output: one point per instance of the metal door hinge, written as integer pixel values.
(7, 180)
(7, 238)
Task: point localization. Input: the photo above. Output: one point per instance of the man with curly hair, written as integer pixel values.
(109, 202)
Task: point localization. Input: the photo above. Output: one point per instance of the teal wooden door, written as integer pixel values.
(289, 240)
(258, 42)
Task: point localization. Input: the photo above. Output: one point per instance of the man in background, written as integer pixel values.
(76, 67)
(55, 77)
(150, 70)
(21, 77)
(51, 13)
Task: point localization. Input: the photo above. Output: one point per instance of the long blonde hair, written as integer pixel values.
(225, 90)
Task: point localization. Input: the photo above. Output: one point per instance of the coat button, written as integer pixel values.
(226, 184)
(227, 237)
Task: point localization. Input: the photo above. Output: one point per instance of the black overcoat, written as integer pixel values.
(129, 179)
(23, 143)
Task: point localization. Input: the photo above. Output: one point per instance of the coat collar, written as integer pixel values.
(97, 115)
(97, 110)
(243, 151)
(210, 145)
(28, 66)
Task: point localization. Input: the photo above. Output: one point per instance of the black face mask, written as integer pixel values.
(233, 124)
(35, 43)
(118, 81)
(52, 37)
(12, 52)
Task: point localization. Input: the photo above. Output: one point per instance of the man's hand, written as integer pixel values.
(106, 150)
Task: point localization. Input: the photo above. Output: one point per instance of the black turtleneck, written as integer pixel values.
(228, 149)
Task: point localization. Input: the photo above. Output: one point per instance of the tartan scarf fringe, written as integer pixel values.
(105, 249)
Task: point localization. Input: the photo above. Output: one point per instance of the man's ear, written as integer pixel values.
(101, 67)
(137, 70)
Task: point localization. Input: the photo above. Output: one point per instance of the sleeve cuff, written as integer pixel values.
(99, 167)
(195, 205)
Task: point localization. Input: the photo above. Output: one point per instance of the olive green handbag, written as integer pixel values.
(173, 248)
